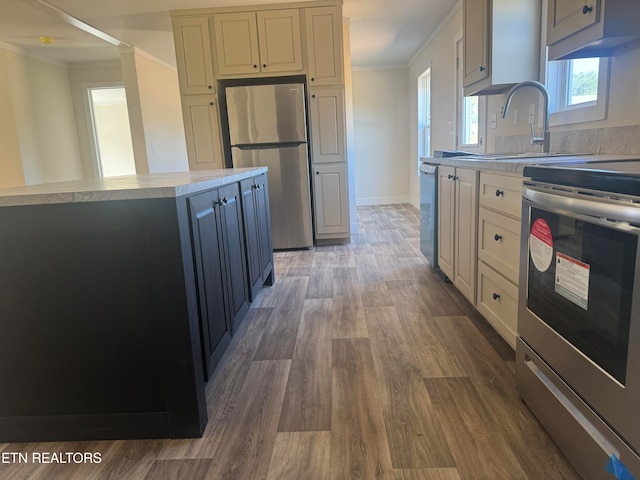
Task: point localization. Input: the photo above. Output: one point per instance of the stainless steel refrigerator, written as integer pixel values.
(268, 127)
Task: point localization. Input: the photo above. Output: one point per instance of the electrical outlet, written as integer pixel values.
(493, 123)
(515, 116)
(532, 112)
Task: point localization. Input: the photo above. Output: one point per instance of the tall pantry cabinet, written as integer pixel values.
(200, 111)
(275, 40)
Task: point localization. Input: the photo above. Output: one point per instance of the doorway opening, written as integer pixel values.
(111, 136)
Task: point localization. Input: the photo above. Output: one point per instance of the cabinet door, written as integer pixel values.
(193, 55)
(446, 220)
(257, 230)
(475, 41)
(234, 248)
(263, 214)
(236, 37)
(466, 232)
(208, 259)
(565, 17)
(202, 131)
(279, 40)
(326, 109)
(323, 27)
(331, 200)
(250, 217)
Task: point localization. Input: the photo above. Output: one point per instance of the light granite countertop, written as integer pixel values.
(130, 187)
(516, 163)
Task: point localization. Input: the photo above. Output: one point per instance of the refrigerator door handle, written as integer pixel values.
(265, 146)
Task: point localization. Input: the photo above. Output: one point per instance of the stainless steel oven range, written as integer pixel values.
(578, 347)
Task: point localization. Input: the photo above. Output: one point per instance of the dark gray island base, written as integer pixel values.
(117, 304)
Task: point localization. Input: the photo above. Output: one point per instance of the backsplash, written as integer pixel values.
(610, 140)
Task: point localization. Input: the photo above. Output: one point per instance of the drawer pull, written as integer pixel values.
(495, 296)
(497, 237)
(499, 193)
(452, 177)
(587, 9)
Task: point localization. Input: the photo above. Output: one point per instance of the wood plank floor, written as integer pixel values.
(359, 363)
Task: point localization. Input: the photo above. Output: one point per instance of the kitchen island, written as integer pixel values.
(118, 297)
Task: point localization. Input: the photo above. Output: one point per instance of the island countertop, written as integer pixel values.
(129, 187)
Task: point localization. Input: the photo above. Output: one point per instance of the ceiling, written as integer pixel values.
(380, 35)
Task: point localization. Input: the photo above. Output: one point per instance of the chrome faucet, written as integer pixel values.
(546, 134)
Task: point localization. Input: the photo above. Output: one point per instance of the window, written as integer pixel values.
(470, 112)
(578, 89)
(424, 115)
(470, 107)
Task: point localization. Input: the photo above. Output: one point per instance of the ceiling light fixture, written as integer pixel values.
(47, 40)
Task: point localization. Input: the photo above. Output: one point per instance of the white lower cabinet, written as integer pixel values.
(479, 241)
(498, 302)
(457, 227)
(499, 252)
(331, 201)
(499, 242)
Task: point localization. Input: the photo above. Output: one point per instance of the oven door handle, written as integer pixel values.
(592, 208)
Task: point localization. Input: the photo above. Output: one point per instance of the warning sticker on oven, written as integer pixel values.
(541, 245)
(572, 280)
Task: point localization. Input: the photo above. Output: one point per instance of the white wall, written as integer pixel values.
(11, 174)
(439, 54)
(44, 119)
(381, 133)
(155, 113)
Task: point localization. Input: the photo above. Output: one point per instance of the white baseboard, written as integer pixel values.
(364, 201)
(415, 202)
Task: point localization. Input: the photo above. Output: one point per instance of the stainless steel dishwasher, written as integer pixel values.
(429, 212)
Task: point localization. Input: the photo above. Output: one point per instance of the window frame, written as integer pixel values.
(424, 114)
(557, 84)
(459, 122)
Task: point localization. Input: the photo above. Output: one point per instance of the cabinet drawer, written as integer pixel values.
(499, 243)
(498, 302)
(501, 193)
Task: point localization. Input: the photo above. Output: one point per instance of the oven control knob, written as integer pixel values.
(496, 296)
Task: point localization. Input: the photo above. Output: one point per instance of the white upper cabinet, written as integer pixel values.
(566, 17)
(323, 26)
(279, 40)
(475, 41)
(193, 55)
(236, 37)
(501, 44)
(257, 42)
(590, 28)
